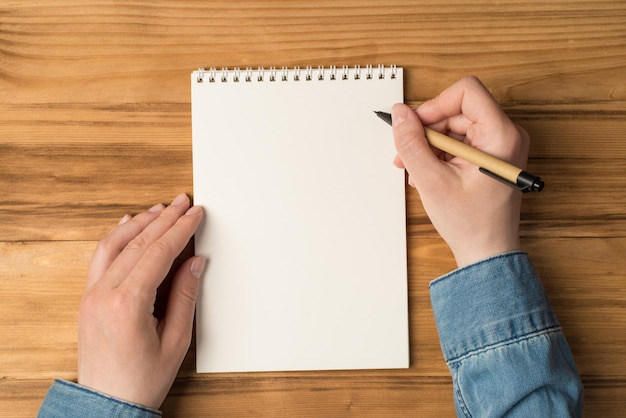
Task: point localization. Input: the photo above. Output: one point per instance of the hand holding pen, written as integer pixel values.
(477, 216)
(487, 164)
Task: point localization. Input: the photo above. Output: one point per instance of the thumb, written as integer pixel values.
(413, 149)
(181, 304)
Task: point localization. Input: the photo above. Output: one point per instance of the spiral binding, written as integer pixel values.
(296, 74)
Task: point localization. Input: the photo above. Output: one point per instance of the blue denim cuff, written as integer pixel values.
(69, 400)
(492, 302)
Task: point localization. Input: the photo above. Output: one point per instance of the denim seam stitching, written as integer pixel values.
(460, 399)
(516, 340)
(510, 254)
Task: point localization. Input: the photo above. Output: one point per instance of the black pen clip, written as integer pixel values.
(526, 182)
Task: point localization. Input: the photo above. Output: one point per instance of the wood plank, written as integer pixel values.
(298, 396)
(96, 184)
(326, 395)
(157, 165)
(42, 283)
(565, 133)
(353, 396)
(263, 396)
(61, 123)
(115, 53)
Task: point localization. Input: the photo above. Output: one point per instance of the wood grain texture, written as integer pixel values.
(95, 123)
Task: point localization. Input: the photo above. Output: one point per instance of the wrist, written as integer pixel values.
(475, 250)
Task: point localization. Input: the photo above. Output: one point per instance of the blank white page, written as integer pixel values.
(305, 227)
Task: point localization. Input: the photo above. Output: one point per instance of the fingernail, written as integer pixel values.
(156, 208)
(124, 219)
(197, 266)
(180, 199)
(398, 114)
(194, 210)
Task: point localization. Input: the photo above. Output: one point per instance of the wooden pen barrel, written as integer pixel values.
(470, 154)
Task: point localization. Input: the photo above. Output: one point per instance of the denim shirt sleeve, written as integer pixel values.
(503, 343)
(70, 400)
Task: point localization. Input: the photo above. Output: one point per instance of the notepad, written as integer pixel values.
(305, 226)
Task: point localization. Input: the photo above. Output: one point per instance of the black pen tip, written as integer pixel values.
(384, 116)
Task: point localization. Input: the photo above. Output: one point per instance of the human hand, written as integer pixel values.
(123, 350)
(477, 216)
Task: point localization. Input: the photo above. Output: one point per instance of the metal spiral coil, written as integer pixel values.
(320, 73)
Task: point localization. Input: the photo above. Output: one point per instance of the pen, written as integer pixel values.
(487, 164)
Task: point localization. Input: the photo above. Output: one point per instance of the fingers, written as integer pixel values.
(467, 97)
(468, 112)
(110, 247)
(144, 237)
(157, 256)
(414, 152)
(178, 322)
(159, 234)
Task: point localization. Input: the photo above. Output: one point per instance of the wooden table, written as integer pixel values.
(95, 123)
